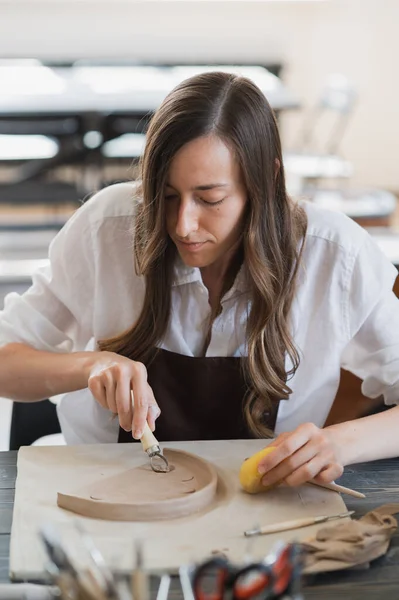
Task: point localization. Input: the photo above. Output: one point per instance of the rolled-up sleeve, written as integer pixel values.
(55, 313)
(371, 314)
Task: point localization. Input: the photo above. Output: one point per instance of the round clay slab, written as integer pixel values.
(139, 494)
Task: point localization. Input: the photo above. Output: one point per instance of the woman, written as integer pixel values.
(236, 314)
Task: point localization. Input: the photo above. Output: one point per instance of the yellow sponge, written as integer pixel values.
(250, 479)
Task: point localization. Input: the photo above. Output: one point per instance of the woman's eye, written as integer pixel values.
(214, 203)
(170, 196)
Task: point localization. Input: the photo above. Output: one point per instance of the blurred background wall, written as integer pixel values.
(311, 39)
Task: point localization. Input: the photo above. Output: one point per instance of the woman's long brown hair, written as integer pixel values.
(235, 110)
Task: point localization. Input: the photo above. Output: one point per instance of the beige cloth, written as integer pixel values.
(351, 544)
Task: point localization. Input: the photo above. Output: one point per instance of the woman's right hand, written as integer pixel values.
(112, 379)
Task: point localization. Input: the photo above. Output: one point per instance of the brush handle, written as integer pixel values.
(140, 585)
(338, 488)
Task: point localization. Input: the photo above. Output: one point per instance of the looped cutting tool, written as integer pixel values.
(159, 462)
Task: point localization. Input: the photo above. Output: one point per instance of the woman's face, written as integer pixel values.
(205, 202)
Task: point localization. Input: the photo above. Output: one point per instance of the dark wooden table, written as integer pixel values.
(378, 480)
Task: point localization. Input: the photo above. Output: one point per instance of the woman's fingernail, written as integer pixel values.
(261, 470)
(137, 434)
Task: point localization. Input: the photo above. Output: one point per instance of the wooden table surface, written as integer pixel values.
(378, 480)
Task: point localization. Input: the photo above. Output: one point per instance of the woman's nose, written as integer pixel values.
(187, 219)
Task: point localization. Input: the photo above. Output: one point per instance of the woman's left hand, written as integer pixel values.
(306, 453)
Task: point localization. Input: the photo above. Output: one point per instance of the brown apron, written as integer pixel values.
(200, 399)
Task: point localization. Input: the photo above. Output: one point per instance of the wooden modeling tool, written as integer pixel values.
(338, 488)
(295, 524)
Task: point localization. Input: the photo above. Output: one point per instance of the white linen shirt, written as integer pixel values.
(344, 312)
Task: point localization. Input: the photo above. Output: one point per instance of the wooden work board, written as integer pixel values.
(43, 471)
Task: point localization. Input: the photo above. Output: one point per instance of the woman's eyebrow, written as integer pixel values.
(208, 186)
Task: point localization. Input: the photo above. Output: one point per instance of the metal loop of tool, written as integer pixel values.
(158, 461)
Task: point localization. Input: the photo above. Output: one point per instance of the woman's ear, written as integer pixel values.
(277, 166)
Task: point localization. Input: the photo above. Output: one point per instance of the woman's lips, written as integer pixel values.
(191, 246)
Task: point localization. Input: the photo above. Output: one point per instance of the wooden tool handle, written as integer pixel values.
(338, 488)
(148, 439)
(286, 525)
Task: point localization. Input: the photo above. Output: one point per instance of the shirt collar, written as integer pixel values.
(183, 274)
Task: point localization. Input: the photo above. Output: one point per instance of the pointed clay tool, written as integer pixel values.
(295, 524)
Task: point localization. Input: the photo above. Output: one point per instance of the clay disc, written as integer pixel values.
(139, 494)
